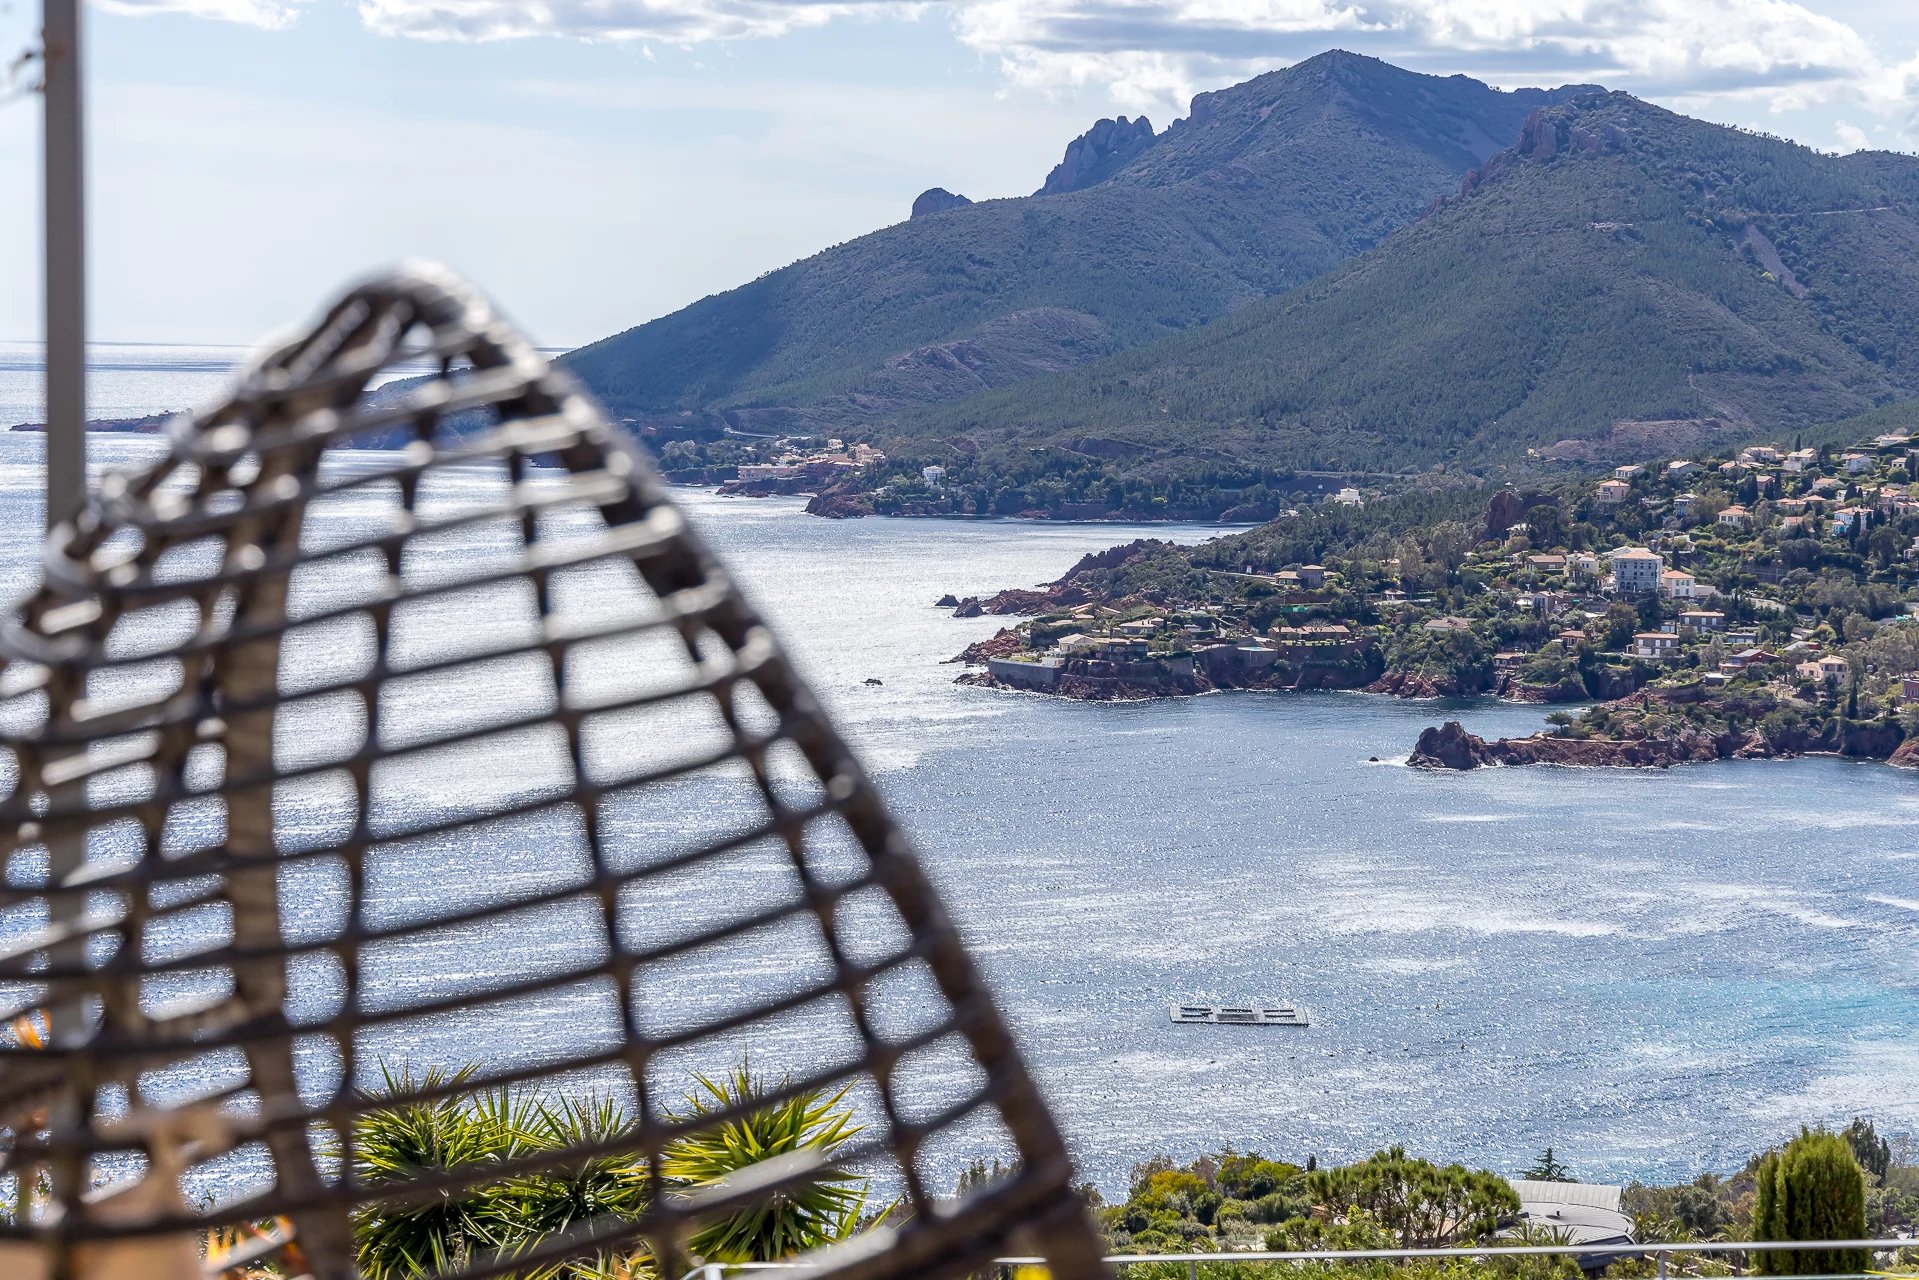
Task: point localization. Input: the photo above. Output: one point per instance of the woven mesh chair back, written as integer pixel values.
(395, 834)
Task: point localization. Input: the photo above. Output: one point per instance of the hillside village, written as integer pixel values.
(1754, 601)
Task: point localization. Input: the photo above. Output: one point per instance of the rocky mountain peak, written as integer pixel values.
(1572, 126)
(937, 200)
(1098, 154)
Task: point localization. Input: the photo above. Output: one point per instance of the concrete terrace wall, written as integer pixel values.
(1024, 675)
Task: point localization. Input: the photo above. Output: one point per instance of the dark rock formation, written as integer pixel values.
(969, 608)
(937, 200)
(1503, 512)
(1546, 133)
(1004, 644)
(1019, 600)
(1121, 689)
(1418, 684)
(1513, 689)
(947, 601)
(842, 501)
(1099, 153)
(1112, 557)
(1871, 740)
(1448, 747)
(1451, 747)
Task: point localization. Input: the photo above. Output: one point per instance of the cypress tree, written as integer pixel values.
(1812, 1190)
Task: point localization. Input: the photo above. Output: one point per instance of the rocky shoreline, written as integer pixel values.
(1096, 683)
(151, 424)
(1451, 746)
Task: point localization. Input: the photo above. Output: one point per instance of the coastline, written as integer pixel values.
(1452, 747)
(830, 512)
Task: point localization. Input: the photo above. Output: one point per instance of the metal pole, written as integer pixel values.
(66, 443)
(66, 273)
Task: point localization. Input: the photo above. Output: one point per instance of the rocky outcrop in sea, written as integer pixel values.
(1451, 746)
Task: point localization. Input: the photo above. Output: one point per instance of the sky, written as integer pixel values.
(593, 164)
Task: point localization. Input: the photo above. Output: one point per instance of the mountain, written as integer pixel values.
(1134, 236)
(1098, 154)
(937, 200)
(1623, 281)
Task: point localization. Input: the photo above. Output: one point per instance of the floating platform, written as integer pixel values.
(1250, 1015)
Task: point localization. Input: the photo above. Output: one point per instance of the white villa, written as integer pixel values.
(1635, 570)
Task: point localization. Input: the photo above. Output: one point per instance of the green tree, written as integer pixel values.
(1620, 623)
(1812, 1190)
(1549, 1169)
(1424, 1205)
(1873, 1152)
(978, 1174)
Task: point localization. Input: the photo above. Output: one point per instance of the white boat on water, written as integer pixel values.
(1256, 1014)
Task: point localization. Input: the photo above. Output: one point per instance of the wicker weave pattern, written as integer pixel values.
(275, 775)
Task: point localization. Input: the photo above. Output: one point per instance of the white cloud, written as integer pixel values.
(1781, 55)
(1851, 136)
(1661, 46)
(674, 21)
(271, 14)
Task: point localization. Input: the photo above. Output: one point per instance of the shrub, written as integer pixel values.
(1812, 1190)
(507, 1215)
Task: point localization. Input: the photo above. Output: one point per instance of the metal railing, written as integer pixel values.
(1661, 1251)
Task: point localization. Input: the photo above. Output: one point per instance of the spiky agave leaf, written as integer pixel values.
(571, 1195)
(816, 1211)
(395, 1144)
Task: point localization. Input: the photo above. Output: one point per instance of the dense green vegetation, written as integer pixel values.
(1066, 485)
(1617, 265)
(1389, 1200)
(1822, 1186)
(1459, 589)
(1264, 186)
(1234, 1200)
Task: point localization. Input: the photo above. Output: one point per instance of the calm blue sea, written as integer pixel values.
(1654, 972)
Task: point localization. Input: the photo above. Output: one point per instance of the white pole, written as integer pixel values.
(66, 271)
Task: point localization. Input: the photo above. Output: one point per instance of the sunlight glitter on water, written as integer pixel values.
(1656, 972)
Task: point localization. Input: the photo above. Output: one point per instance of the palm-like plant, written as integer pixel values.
(505, 1216)
(817, 1210)
(392, 1145)
(573, 1195)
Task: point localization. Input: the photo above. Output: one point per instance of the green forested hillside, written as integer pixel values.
(1623, 277)
(1266, 185)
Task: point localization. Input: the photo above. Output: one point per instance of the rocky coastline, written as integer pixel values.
(151, 424)
(1451, 746)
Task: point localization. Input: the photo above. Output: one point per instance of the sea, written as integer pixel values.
(1655, 972)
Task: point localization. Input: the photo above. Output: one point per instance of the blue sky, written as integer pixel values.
(595, 163)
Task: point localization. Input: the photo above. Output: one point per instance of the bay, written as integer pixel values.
(1654, 972)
